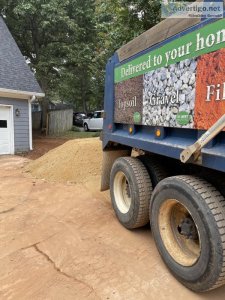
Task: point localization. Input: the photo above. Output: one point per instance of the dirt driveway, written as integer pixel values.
(60, 241)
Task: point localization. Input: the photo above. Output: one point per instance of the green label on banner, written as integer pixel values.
(204, 40)
(183, 118)
(137, 117)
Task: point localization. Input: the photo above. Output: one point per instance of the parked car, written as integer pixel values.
(94, 122)
(78, 119)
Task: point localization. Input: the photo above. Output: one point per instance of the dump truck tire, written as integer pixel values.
(109, 157)
(155, 168)
(131, 190)
(216, 179)
(188, 225)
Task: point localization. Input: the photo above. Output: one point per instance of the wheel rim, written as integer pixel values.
(179, 233)
(122, 192)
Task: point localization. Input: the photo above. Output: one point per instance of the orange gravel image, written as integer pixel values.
(210, 89)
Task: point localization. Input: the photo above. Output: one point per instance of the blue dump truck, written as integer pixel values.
(164, 144)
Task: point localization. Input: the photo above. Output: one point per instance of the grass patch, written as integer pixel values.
(76, 135)
(77, 129)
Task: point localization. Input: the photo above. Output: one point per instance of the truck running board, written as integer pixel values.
(193, 152)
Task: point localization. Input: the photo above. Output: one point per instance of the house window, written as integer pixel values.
(3, 123)
(35, 107)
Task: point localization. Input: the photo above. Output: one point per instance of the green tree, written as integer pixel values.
(68, 42)
(58, 39)
(118, 22)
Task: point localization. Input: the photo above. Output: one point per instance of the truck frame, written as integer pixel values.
(164, 164)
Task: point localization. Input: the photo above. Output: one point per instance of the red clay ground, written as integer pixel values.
(62, 241)
(42, 145)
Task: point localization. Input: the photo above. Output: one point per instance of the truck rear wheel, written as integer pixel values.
(131, 189)
(188, 225)
(156, 170)
(216, 179)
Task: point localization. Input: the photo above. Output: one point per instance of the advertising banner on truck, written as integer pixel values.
(180, 84)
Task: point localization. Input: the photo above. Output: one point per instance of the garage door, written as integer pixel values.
(5, 130)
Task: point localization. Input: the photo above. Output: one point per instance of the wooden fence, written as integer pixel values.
(59, 121)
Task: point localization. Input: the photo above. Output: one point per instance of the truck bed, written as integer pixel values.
(172, 140)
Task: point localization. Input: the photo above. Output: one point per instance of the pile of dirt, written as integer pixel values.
(76, 161)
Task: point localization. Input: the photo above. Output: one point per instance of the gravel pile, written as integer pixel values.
(177, 79)
(77, 161)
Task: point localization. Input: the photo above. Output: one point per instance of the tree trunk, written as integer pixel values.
(84, 94)
(44, 106)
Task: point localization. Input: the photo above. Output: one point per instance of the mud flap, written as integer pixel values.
(109, 156)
